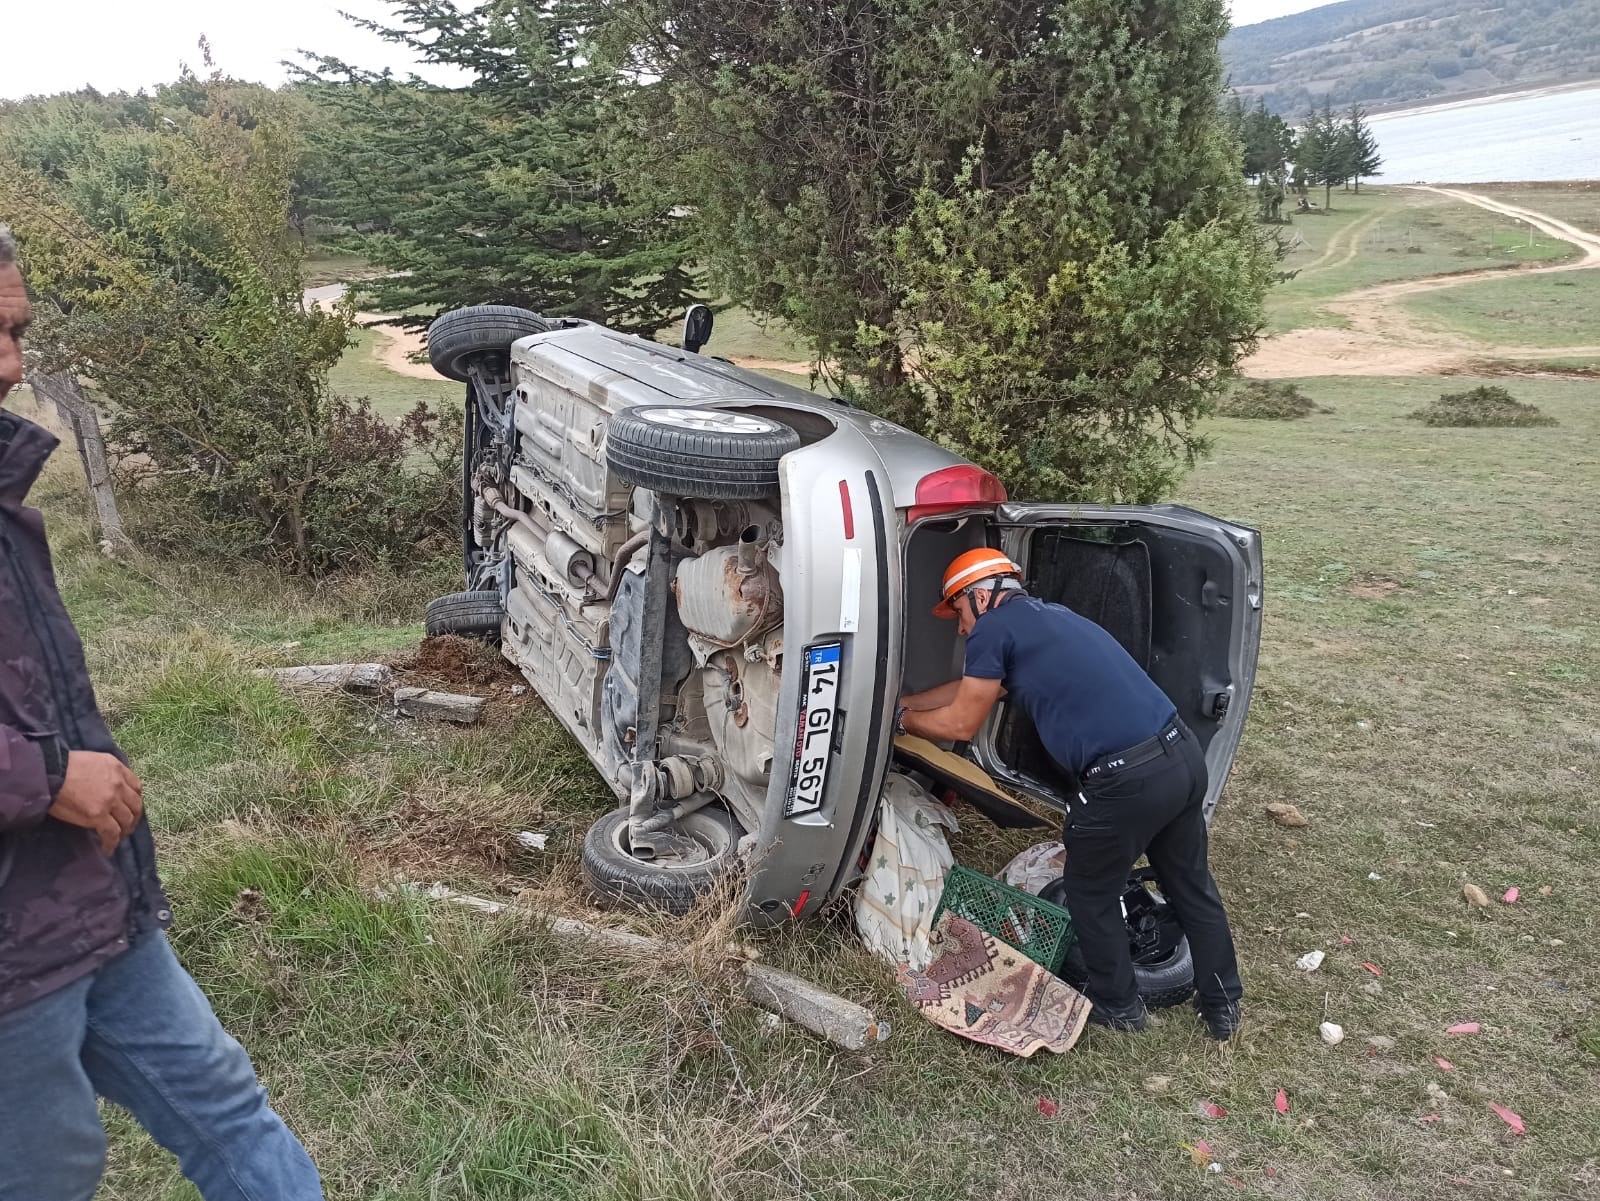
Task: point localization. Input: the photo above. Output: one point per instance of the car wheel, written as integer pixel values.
(672, 882)
(467, 614)
(457, 337)
(1163, 968)
(715, 454)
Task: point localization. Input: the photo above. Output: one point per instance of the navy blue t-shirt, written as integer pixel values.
(1085, 694)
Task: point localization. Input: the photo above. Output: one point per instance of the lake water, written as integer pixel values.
(1532, 137)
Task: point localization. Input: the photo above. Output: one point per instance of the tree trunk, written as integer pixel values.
(78, 414)
(1358, 185)
(1327, 196)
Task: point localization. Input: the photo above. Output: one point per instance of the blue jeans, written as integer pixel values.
(141, 1033)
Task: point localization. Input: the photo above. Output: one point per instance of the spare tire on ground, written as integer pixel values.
(1163, 969)
(712, 454)
(671, 882)
(468, 614)
(457, 337)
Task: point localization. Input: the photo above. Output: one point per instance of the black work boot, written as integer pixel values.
(1222, 1024)
(1118, 1017)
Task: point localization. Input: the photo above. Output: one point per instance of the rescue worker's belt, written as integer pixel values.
(1141, 753)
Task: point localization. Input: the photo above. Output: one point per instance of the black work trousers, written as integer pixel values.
(1155, 809)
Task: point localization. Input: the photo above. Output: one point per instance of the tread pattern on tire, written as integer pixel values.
(468, 614)
(459, 334)
(635, 883)
(698, 463)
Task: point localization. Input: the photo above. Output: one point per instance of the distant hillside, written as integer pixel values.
(1388, 51)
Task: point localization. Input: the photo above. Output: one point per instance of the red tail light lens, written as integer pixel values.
(954, 488)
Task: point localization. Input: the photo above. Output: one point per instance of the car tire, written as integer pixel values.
(616, 877)
(1162, 982)
(457, 337)
(714, 454)
(466, 614)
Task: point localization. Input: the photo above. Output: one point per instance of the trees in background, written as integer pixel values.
(1331, 151)
(1360, 145)
(156, 239)
(1017, 228)
(502, 190)
(1268, 143)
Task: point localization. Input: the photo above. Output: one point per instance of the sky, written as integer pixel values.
(114, 45)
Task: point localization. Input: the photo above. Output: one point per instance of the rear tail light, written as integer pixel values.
(953, 488)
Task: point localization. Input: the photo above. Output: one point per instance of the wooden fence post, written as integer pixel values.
(78, 414)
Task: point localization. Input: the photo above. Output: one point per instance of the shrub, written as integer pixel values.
(183, 306)
(1268, 400)
(1485, 405)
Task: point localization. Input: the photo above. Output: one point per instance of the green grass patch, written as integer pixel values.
(1556, 309)
(359, 374)
(1575, 201)
(1485, 405)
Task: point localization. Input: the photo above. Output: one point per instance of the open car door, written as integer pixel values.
(1179, 590)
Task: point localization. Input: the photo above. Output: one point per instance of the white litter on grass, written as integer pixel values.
(1332, 1033)
(529, 841)
(1310, 961)
(1373, 876)
(1214, 1167)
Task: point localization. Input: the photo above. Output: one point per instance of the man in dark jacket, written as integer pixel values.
(92, 999)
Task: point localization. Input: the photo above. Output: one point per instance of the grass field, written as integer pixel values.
(358, 374)
(1386, 234)
(1545, 310)
(1574, 201)
(1427, 696)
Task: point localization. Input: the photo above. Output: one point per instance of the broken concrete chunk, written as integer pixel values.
(351, 677)
(441, 706)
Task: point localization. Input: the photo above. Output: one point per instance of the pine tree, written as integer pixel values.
(500, 191)
(1363, 145)
(1020, 227)
(1323, 153)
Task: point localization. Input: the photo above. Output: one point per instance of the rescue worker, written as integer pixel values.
(1137, 775)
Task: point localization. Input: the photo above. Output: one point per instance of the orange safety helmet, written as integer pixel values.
(968, 568)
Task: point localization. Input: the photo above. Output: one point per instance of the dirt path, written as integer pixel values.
(1384, 338)
(1352, 231)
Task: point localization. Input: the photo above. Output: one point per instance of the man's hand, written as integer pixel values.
(99, 793)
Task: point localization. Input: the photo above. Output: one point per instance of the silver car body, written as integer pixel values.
(844, 538)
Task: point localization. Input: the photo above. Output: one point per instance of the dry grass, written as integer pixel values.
(1426, 697)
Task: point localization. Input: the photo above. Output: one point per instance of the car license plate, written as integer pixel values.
(813, 740)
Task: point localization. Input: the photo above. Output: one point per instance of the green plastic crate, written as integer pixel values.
(1040, 930)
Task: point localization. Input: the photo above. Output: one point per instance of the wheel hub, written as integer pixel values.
(710, 421)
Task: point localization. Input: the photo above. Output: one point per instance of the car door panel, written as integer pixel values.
(1180, 591)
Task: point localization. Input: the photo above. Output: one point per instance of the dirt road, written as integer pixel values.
(1383, 338)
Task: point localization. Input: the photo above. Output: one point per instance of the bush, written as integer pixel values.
(182, 303)
(1267, 400)
(1486, 405)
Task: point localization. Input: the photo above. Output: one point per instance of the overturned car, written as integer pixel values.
(720, 583)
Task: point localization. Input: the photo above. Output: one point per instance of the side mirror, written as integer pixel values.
(696, 327)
